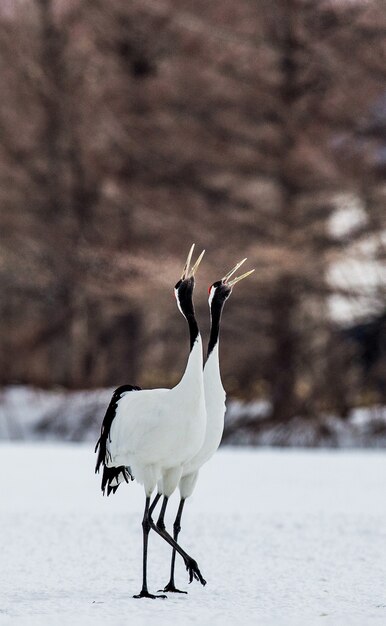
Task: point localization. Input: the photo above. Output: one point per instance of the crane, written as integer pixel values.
(147, 435)
(215, 396)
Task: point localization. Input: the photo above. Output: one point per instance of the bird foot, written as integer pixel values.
(194, 572)
(146, 594)
(170, 587)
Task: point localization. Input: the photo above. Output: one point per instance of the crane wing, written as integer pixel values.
(112, 476)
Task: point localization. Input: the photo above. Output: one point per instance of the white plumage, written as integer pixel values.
(155, 431)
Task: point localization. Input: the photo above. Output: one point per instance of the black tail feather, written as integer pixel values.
(114, 474)
(111, 474)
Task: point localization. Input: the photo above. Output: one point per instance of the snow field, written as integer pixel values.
(282, 537)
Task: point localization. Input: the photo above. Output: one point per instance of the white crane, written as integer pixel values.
(215, 396)
(148, 435)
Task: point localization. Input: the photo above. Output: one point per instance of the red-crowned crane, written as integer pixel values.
(148, 435)
(215, 396)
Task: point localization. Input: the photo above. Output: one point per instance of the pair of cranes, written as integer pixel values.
(162, 437)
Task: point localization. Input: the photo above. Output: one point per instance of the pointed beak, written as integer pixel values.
(188, 273)
(236, 267)
(236, 280)
(197, 263)
(186, 268)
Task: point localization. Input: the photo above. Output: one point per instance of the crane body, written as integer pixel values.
(215, 397)
(147, 435)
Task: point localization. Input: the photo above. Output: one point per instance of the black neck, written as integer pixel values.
(185, 297)
(193, 328)
(216, 311)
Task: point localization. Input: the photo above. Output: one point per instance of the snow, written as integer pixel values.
(27, 413)
(33, 413)
(365, 427)
(282, 537)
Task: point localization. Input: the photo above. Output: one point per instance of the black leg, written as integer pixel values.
(154, 504)
(190, 564)
(161, 517)
(146, 525)
(176, 531)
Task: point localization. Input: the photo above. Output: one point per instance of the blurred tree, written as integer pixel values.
(130, 130)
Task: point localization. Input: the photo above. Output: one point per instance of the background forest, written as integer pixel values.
(256, 129)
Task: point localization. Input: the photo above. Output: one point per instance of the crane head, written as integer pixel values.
(183, 290)
(222, 289)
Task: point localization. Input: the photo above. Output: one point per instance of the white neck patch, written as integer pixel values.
(178, 301)
(211, 295)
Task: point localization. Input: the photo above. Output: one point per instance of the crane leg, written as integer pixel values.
(154, 504)
(171, 587)
(159, 528)
(191, 564)
(146, 525)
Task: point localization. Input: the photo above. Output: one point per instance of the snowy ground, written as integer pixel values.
(282, 537)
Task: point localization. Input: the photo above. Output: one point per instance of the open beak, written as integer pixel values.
(236, 267)
(238, 278)
(188, 273)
